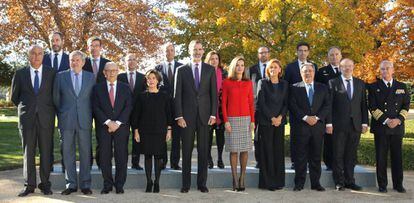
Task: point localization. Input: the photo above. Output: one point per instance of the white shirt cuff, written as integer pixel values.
(304, 118)
(118, 122)
(385, 122)
(178, 118)
(364, 125)
(213, 117)
(329, 125)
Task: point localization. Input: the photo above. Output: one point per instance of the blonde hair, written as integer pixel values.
(232, 69)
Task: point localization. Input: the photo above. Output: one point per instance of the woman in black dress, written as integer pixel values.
(272, 104)
(152, 121)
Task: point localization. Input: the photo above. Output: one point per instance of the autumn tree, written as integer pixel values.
(123, 24)
(240, 27)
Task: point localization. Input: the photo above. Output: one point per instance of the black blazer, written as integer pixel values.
(255, 73)
(292, 72)
(299, 107)
(343, 109)
(139, 87)
(102, 108)
(272, 101)
(325, 74)
(28, 104)
(64, 63)
(88, 67)
(190, 102)
(167, 86)
(384, 103)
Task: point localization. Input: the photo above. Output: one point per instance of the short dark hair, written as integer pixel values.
(94, 38)
(302, 44)
(56, 33)
(157, 76)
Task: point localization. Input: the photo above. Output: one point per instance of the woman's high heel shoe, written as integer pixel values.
(235, 186)
(149, 186)
(241, 183)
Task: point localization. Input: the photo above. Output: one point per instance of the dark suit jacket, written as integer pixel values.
(28, 104)
(299, 107)
(190, 102)
(255, 73)
(139, 87)
(88, 67)
(64, 63)
(167, 86)
(343, 109)
(271, 101)
(292, 72)
(384, 103)
(103, 110)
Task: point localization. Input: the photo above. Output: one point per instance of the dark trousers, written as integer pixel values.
(97, 153)
(175, 147)
(272, 157)
(117, 141)
(308, 148)
(345, 145)
(328, 150)
(219, 129)
(31, 137)
(188, 135)
(52, 158)
(393, 143)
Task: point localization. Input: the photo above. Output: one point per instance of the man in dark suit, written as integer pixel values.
(323, 75)
(349, 119)
(136, 83)
(309, 104)
(112, 106)
(95, 64)
(292, 76)
(195, 97)
(59, 61)
(167, 70)
(32, 94)
(389, 102)
(72, 94)
(257, 72)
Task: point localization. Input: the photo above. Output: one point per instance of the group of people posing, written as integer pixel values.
(326, 108)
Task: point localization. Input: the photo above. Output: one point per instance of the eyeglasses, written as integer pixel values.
(111, 71)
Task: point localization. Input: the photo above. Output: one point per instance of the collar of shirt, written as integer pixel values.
(59, 54)
(128, 72)
(385, 82)
(333, 68)
(344, 79)
(166, 66)
(109, 86)
(98, 60)
(193, 65)
(32, 70)
(33, 75)
(300, 62)
(72, 73)
(307, 87)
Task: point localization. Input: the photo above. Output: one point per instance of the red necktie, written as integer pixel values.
(112, 95)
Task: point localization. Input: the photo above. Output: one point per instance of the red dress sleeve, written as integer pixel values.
(251, 101)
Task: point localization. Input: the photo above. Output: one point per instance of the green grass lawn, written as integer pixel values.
(11, 152)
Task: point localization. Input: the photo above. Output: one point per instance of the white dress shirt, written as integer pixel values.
(351, 80)
(307, 87)
(39, 74)
(109, 89)
(59, 55)
(98, 61)
(262, 68)
(193, 65)
(165, 67)
(134, 75)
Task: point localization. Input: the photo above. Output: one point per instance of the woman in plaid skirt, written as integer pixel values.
(238, 116)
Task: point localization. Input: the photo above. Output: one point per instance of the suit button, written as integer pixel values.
(385, 110)
(396, 104)
(385, 103)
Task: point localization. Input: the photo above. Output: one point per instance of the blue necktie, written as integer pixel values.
(310, 95)
(348, 88)
(55, 62)
(77, 88)
(36, 82)
(196, 77)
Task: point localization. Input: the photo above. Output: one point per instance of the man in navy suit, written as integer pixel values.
(56, 58)
(112, 106)
(257, 72)
(167, 70)
(72, 93)
(292, 76)
(323, 75)
(95, 64)
(309, 104)
(59, 61)
(136, 82)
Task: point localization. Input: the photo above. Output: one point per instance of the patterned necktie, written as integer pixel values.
(196, 77)
(95, 67)
(55, 62)
(112, 95)
(348, 89)
(170, 73)
(264, 71)
(77, 87)
(131, 81)
(310, 94)
(336, 70)
(36, 82)
(388, 84)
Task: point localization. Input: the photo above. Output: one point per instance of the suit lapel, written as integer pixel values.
(203, 75)
(117, 93)
(356, 88)
(190, 75)
(85, 81)
(29, 80)
(45, 74)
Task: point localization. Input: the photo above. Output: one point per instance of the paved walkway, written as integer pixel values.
(11, 182)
